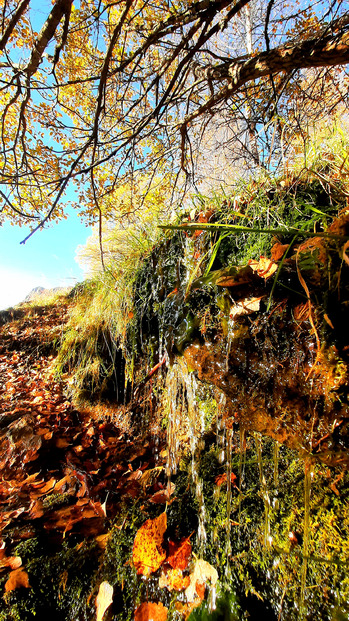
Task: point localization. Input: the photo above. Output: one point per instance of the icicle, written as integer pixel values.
(196, 429)
(308, 473)
(184, 415)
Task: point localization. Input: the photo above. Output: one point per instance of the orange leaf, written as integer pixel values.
(179, 553)
(17, 579)
(149, 611)
(278, 251)
(14, 562)
(222, 478)
(200, 590)
(148, 554)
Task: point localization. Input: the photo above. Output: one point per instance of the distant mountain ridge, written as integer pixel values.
(41, 292)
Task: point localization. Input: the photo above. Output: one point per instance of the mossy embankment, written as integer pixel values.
(216, 390)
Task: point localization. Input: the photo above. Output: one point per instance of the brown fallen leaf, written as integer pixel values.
(149, 611)
(42, 487)
(148, 554)
(36, 509)
(245, 307)
(278, 251)
(62, 443)
(17, 579)
(102, 540)
(163, 495)
(231, 281)
(103, 599)
(301, 312)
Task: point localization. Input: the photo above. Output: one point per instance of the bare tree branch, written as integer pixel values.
(61, 8)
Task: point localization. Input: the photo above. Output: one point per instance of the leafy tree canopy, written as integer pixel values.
(105, 93)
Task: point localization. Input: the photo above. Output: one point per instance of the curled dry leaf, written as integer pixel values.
(148, 554)
(163, 495)
(245, 307)
(17, 579)
(203, 573)
(263, 267)
(103, 599)
(149, 611)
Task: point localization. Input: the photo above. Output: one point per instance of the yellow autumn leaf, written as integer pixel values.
(148, 554)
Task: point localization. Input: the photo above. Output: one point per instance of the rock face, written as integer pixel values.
(278, 383)
(283, 366)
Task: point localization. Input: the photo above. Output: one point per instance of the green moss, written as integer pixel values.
(271, 567)
(53, 501)
(59, 582)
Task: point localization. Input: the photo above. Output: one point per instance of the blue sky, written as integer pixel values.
(47, 259)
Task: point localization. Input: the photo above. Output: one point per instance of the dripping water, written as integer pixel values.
(308, 473)
(220, 429)
(174, 398)
(229, 449)
(242, 460)
(276, 464)
(264, 492)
